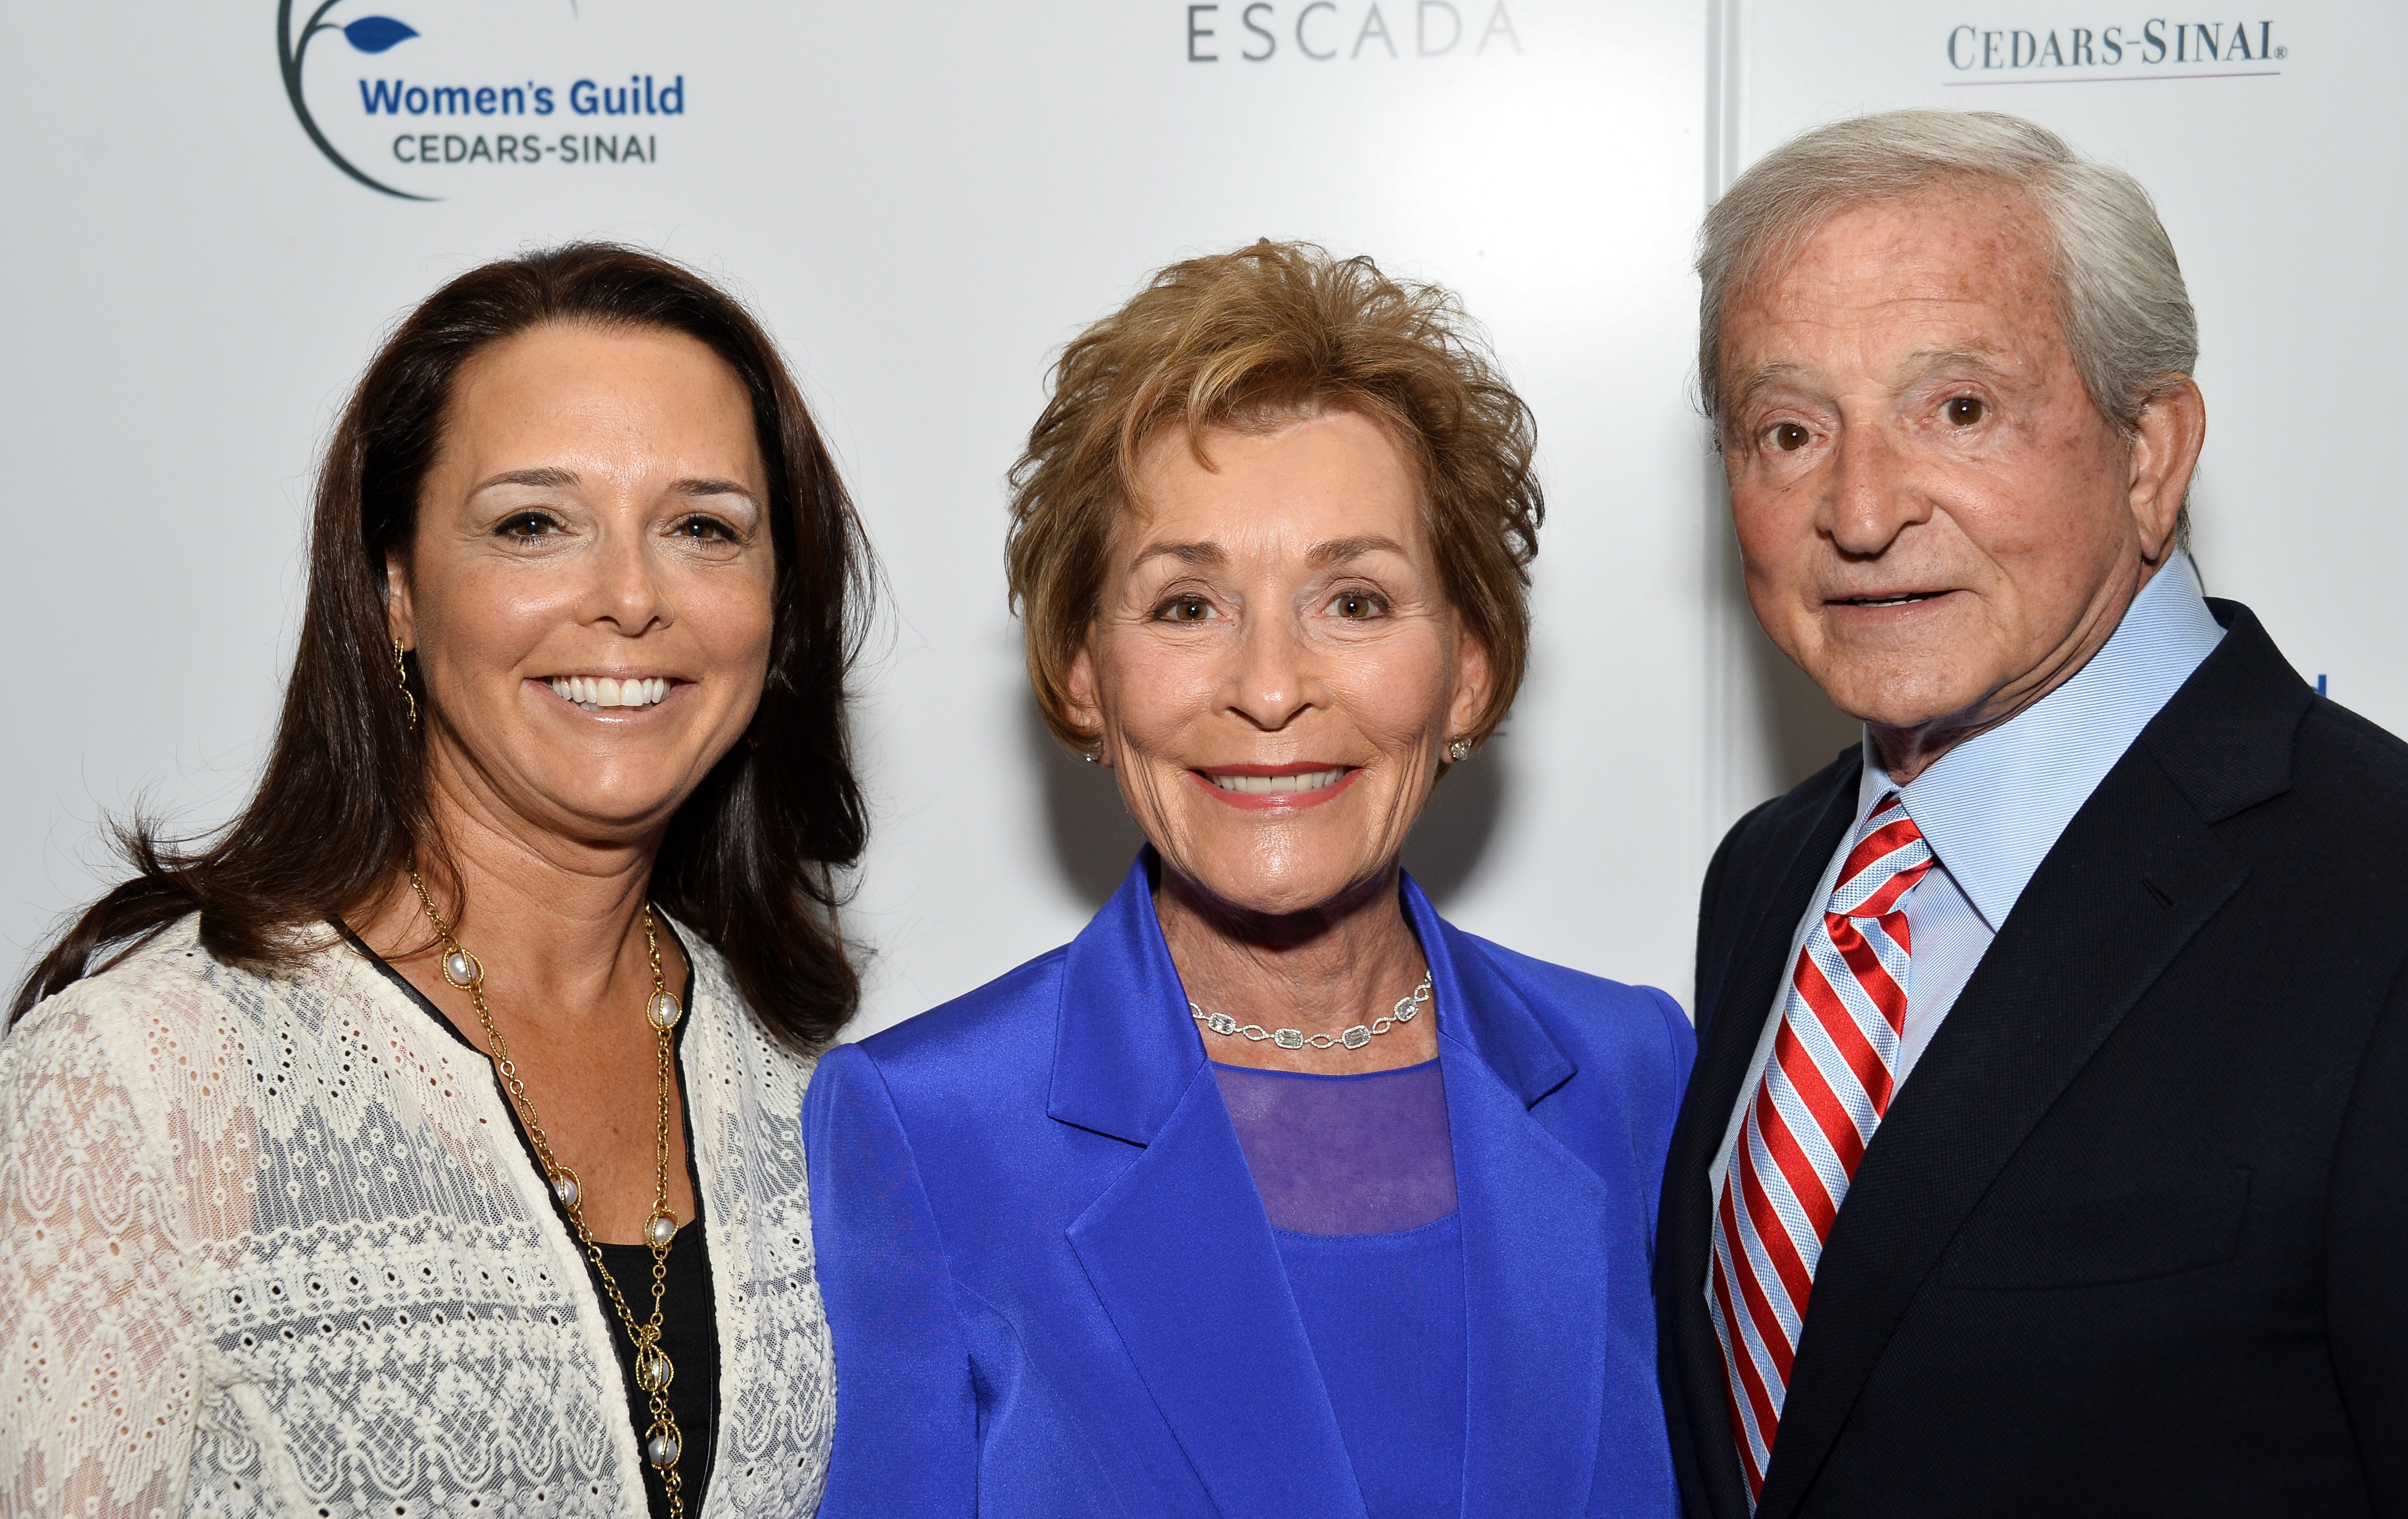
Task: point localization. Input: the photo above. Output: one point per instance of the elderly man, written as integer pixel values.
(2047, 1149)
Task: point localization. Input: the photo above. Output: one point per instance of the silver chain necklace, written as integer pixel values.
(1296, 1038)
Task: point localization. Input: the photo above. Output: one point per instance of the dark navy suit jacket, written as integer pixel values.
(1055, 1292)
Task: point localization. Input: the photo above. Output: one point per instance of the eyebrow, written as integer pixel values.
(1980, 356)
(1186, 553)
(547, 478)
(1764, 378)
(1918, 363)
(1320, 556)
(552, 478)
(713, 487)
(1339, 550)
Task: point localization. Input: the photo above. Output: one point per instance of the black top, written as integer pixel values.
(690, 1335)
(2130, 1241)
(689, 1316)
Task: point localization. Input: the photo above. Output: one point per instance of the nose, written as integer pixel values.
(626, 592)
(1873, 495)
(1273, 684)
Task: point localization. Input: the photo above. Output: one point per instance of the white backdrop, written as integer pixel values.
(924, 201)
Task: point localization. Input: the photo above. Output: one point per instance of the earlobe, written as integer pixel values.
(400, 617)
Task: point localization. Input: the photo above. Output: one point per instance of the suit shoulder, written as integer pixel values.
(1798, 809)
(2355, 751)
(2348, 798)
(1593, 1009)
(1013, 1014)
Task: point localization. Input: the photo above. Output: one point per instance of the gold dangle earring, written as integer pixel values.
(401, 678)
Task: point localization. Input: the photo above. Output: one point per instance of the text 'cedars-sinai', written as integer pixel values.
(641, 96)
(2154, 42)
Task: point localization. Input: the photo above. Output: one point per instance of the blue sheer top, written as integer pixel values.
(1357, 1174)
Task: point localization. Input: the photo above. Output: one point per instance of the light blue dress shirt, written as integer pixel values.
(1993, 807)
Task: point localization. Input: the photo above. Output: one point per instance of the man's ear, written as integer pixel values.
(2166, 440)
(1079, 684)
(400, 617)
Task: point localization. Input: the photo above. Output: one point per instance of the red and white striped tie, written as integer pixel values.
(1826, 1088)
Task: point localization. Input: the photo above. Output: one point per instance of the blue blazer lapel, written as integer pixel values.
(1177, 1248)
(1535, 1252)
(1182, 1256)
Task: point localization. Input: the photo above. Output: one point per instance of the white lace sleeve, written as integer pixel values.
(100, 1359)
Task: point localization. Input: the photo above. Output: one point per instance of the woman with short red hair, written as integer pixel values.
(1271, 1195)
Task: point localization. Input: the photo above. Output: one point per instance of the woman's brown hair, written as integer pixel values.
(755, 859)
(1248, 339)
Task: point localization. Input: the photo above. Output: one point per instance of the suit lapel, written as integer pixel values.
(2133, 878)
(1182, 1256)
(1177, 1248)
(1732, 1024)
(1534, 1245)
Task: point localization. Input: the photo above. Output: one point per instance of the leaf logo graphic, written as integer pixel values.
(369, 34)
(375, 33)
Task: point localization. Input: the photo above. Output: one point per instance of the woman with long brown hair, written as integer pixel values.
(425, 1142)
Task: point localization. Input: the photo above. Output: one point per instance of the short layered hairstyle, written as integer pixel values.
(1254, 339)
(2120, 295)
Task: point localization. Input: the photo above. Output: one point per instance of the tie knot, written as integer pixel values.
(1889, 858)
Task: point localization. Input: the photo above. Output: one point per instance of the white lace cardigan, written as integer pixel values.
(268, 1245)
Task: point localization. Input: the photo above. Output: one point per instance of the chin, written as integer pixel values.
(1275, 890)
(1906, 697)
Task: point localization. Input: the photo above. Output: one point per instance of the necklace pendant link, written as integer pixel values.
(663, 1011)
(653, 1370)
(661, 1444)
(1355, 1037)
(461, 971)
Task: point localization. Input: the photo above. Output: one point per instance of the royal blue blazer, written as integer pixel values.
(1053, 1289)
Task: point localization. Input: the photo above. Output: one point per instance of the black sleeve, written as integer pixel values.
(2367, 1255)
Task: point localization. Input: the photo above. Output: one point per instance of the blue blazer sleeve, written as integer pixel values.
(906, 1426)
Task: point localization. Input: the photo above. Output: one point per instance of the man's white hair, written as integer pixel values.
(2119, 289)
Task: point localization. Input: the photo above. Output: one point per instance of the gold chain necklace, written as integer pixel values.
(464, 972)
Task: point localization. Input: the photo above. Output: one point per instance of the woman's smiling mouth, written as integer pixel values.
(1260, 787)
(594, 692)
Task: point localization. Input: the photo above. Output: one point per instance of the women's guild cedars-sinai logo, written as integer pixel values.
(489, 122)
(368, 33)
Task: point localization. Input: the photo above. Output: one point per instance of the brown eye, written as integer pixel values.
(1789, 437)
(1188, 609)
(527, 525)
(1965, 411)
(1356, 607)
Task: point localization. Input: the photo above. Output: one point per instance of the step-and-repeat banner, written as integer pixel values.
(216, 210)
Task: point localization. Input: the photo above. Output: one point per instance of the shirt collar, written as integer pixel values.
(1993, 807)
